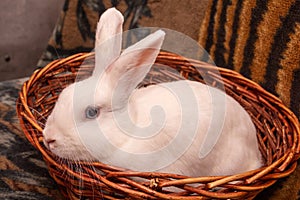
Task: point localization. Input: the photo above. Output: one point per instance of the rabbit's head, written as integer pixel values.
(85, 107)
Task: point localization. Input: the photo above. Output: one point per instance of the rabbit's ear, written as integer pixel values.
(133, 65)
(108, 39)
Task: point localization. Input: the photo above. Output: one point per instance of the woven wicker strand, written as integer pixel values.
(277, 132)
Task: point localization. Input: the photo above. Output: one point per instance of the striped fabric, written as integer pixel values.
(260, 39)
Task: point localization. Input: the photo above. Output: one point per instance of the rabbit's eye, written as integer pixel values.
(92, 112)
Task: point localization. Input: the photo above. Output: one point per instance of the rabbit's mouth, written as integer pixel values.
(49, 143)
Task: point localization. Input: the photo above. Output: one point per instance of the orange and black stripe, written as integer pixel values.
(260, 39)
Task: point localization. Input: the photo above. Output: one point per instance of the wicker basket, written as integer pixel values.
(277, 132)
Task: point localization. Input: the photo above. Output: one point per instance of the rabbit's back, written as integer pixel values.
(200, 129)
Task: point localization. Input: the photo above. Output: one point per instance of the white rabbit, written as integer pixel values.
(181, 127)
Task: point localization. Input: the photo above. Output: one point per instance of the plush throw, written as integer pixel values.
(261, 40)
(75, 29)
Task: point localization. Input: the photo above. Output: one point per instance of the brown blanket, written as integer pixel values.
(259, 39)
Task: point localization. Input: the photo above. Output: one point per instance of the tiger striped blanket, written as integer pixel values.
(260, 39)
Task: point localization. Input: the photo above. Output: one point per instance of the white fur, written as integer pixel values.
(141, 129)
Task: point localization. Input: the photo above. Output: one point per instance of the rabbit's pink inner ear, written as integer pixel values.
(108, 40)
(133, 65)
(142, 53)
